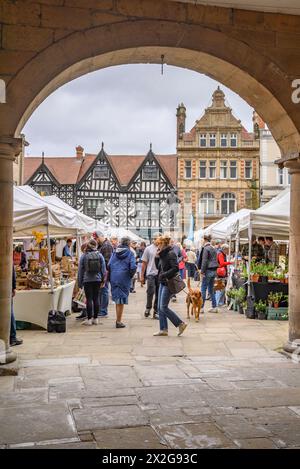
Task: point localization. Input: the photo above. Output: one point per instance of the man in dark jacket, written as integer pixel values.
(13, 340)
(105, 248)
(208, 265)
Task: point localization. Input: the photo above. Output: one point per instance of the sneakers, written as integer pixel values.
(95, 321)
(16, 341)
(120, 325)
(174, 299)
(155, 315)
(147, 312)
(160, 333)
(213, 310)
(87, 322)
(202, 311)
(81, 316)
(182, 328)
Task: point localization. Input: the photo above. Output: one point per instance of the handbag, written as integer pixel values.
(175, 284)
(221, 272)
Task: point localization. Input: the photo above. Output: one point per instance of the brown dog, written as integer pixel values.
(194, 299)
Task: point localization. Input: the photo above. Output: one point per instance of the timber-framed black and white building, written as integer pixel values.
(129, 191)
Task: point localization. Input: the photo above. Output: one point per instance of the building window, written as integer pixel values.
(248, 199)
(233, 140)
(187, 197)
(227, 203)
(223, 140)
(202, 169)
(212, 169)
(233, 169)
(280, 176)
(212, 140)
(43, 189)
(202, 140)
(101, 172)
(94, 208)
(188, 169)
(207, 203)
(223, 169)
(248, 169)
(150, 173)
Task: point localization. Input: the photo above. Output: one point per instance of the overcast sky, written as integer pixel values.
(127, 107)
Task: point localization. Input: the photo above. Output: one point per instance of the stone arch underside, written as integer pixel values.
(239, 67)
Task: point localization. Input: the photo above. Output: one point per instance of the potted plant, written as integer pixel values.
(240, 298)
(276, 299)
(261, 309)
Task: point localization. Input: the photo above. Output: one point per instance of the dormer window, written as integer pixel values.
(101, 172)
(150, 173)
(202, 140)
(233, 140)
(212, 140)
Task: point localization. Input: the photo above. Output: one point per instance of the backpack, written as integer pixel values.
(92, 262)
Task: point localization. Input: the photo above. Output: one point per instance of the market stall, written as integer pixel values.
(46, 284)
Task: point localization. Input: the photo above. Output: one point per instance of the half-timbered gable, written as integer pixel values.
(98, 191)
(122, 190)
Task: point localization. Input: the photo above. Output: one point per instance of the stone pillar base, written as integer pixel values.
(292, 346)
(7, 356)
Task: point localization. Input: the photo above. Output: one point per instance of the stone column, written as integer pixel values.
(294, 258)
(9, 149)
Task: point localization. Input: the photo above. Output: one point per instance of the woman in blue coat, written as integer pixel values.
(121, 269)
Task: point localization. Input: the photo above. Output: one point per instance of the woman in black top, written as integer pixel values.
(167, 269)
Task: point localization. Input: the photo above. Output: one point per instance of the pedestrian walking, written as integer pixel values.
(222, 272)
(149, 273)
(91, 275)
(105, 248)
(121, 269)
(208, 265)
(191, 259)
(168, 269)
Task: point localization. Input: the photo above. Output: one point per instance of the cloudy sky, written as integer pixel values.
(127, 107)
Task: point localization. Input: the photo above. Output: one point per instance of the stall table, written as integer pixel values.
(261, 290)
(34, 305)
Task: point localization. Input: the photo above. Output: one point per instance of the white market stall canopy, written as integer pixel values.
(88, 224)
(121, 232)
(222, 228)
(272, 219)
(33, 212)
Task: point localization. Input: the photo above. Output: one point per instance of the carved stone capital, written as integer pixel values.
(10, 147)
(293, 166)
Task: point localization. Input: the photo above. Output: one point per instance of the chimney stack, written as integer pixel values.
(79, 152)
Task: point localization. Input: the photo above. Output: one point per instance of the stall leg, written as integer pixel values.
(9, 149)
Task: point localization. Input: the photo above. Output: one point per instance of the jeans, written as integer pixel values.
(13, 327)
(208, 284)
(181, 273)
(164, 311)
(92, 290)
(191, 269)
(104, 300)
(152, 290)
(220, 297)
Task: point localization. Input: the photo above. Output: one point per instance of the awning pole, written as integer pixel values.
(249, 257)
(50, 269)
(237, 245)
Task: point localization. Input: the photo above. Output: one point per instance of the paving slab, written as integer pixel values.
(109, 417)
(255, 443)
(195, 435)
(129, 438)
(37, 423)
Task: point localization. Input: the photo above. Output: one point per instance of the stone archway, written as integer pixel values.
(253, 53)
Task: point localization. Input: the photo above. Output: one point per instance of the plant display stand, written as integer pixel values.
(279, 314)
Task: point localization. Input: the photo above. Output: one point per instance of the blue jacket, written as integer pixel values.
(86, 277)
(122, 267)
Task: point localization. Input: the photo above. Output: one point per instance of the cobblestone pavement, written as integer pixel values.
(221, 385)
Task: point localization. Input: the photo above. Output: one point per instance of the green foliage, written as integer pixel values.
(261, 306)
